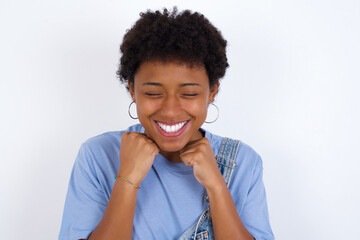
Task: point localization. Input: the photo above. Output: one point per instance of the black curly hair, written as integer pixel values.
(170, 36)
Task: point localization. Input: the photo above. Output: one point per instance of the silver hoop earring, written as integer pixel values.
(129, 110)
(217, 109)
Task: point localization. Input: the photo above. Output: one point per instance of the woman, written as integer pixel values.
(174, 180)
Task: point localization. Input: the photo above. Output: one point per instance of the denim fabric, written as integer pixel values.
(203, 228)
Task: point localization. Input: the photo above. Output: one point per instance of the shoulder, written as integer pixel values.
(249, 155)
(246, 156)
(108, 140)
(102, 150)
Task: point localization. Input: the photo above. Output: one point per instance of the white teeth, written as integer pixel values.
(168, 128)
(172, 128)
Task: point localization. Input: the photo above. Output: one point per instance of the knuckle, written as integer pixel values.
(205, 140)
(130, 134)
(148, 146)
(125, 135)
(203, 146)
(198, 155)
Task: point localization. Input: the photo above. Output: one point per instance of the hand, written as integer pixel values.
(137, 153)
(200, 156)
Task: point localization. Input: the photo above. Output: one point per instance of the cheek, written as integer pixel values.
(197, 108)
(147, 108)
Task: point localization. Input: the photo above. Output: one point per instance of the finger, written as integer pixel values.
(199, 142)
(198, 146)
(188, 158)
(188, 150)
(187, 153)
(189, 164)
(193, 143)
(147, 136)
(156, 151)
(192, 147)
(150, 140)
(154, 148)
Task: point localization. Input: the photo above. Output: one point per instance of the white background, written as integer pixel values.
(291, 92)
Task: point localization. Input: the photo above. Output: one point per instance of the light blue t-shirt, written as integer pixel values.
(170, 199)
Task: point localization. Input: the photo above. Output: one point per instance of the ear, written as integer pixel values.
(213, 92)
(131, 90)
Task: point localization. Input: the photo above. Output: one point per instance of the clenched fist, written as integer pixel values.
(137, 153)
(199, 155)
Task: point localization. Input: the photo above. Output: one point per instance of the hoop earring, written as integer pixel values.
(129, 110)
(217, 113)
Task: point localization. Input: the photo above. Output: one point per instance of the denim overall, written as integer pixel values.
(203, 228)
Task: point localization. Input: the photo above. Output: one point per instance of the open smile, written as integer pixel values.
(171, 129)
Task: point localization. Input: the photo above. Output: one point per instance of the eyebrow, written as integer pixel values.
(189, 84)
(181, 85)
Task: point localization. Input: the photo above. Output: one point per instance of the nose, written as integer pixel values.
(171, 107)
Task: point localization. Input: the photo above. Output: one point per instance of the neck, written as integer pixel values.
(171, 156)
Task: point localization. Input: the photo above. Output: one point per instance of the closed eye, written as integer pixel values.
(190, 95)
(152, 94)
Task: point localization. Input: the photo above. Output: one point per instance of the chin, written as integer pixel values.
(171, 147)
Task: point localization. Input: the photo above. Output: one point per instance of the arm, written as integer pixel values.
(117, 222)
(226, 221)
(87, 210)
(137, 154)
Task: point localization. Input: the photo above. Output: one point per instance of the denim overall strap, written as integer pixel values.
(226, 159)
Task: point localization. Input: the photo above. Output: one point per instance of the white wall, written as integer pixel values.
(290, 92)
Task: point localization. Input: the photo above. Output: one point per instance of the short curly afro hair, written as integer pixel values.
(170, 36)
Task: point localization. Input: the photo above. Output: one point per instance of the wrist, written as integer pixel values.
(121, 184)
(126, 180)
(216, 187)
(132, 178)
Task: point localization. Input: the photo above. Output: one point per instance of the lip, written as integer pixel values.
(171, 123)
(172, 134)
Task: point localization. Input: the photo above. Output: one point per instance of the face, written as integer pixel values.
(171, 101)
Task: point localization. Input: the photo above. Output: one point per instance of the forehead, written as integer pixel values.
(170, 73)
